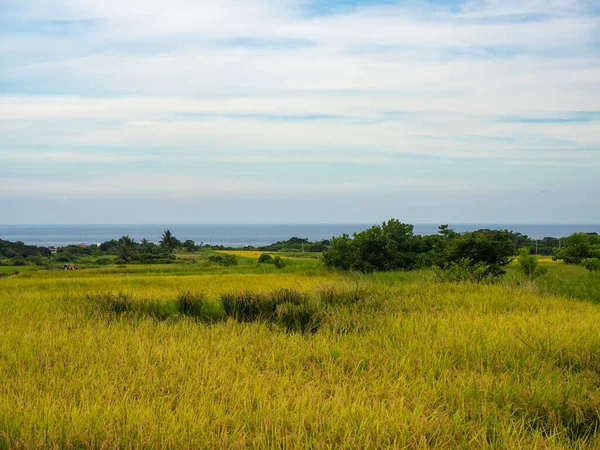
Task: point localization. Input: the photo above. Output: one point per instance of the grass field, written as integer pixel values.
(399, 360)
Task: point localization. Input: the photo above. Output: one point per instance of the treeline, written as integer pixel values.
(296, 244)
(19, 249)
(394, 246)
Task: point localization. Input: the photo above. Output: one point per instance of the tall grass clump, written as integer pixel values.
(246, 306)
(464, 270)
(191, 304)
(529, 265)
(112, 303)
(303, 317)
(335, 296)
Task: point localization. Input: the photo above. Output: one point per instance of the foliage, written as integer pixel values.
(19, 249)
(190, 245)
(127, 250)
(297, 244)
(18, 261)
(169, 242)
(393, 246)
(579, 246)
(223, 260)
(491, 248)
(591, 264)
(529, 265)
(278, 262)
(463, 270)
(265, 258)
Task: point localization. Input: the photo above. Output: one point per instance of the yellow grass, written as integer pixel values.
(413, 365)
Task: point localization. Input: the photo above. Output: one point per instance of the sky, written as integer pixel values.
(299, 111)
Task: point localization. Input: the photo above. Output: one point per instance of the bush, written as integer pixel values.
(529, 265)
(224, 260)
(464, 270)
(278, 262)
(19, 261)
(265, 258)
(591, 264)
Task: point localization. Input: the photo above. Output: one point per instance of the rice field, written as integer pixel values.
(398, 361)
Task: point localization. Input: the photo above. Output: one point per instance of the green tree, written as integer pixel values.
(341, 253)
(168, 242)
(190, 245)
(126, 250)
(579, 246)
(492, 247)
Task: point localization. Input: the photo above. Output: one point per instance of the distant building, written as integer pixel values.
(81, 245)
(52, 249)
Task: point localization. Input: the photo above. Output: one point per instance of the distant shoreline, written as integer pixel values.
(241, 235)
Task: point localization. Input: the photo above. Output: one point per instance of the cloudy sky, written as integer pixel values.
(293, 111)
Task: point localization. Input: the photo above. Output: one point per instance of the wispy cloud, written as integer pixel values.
(267, 84)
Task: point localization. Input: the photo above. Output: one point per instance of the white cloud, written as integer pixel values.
(261, 81)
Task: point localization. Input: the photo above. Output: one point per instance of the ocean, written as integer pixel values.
(239, 235)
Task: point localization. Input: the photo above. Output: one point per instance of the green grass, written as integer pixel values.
(146, 356)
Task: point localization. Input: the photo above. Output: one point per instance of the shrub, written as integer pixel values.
(265, 258)
(591, 264)
(223, 260)
(464, 270)
(278, 262)
(19, 261)
(529, 265)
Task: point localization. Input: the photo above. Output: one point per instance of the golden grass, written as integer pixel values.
(416, 365)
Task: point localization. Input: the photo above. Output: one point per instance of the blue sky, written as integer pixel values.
(294, 111)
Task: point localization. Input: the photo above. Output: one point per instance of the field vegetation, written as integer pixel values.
(203, 354)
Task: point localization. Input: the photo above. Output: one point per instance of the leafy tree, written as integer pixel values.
(190, 245)
(492, 247)
(579, 246)
(126, 250)
(168, 242)
(342, 253)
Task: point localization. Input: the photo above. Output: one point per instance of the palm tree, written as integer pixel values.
(168, 242)
(126, 249)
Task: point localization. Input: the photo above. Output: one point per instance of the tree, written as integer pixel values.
(126, 250)
(492, 247)
(168, 242)
(189, 245)
(341, 253)
(579, 246)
